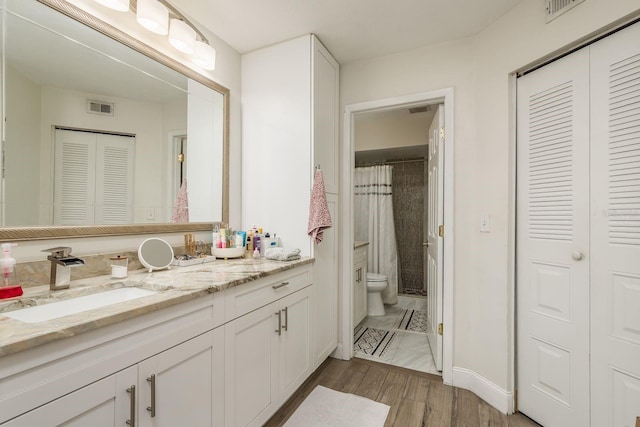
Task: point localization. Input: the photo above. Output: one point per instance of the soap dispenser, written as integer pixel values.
(10, 286)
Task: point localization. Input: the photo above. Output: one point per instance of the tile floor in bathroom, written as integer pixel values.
(385, 343)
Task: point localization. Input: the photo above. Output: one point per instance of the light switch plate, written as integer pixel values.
(485, 223)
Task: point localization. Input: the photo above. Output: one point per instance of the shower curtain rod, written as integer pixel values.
(391, 162)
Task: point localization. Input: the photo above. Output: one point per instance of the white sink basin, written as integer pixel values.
(42, 313)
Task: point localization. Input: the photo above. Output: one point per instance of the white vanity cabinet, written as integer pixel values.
(83, 380)
(172, 388)
(359, 284)
(267, 350)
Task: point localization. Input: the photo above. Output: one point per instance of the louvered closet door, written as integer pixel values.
(552, 243)
(114, 179)
(615, 233)
(74, 182)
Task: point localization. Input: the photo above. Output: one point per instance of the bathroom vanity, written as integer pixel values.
(359, 281)
(221, 345)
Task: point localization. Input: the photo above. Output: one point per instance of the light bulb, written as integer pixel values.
(153, 15)
(204, 56)
(182, 36)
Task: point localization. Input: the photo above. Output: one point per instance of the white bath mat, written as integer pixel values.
(329, 408)
(413, 321)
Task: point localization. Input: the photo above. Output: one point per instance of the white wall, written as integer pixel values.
(227, 73)
(391, 129)
(478, 69)
(22, 182)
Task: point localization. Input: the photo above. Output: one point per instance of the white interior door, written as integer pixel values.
(615, 229)
(435, 215)
(552, 242)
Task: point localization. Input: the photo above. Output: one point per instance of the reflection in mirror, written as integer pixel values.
(97, 133)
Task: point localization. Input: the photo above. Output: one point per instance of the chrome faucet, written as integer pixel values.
(61, 263)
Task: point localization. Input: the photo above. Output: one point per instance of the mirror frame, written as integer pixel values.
(61, 232)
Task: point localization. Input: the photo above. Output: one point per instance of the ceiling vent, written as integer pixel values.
(556, 8)
(100, 107)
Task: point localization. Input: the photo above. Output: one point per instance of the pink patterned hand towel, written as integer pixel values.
(319, 216)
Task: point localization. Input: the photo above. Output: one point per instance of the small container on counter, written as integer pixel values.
(119, 267)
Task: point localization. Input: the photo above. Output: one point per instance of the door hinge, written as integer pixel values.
(442, 133)
(440, 328)
(441, 230)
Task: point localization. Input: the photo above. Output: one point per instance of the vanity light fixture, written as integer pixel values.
(204, 56)
(160, 17)
(153, 15)
(182, 36)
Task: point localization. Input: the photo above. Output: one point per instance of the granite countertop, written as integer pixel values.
(357, 245)
(174, 286)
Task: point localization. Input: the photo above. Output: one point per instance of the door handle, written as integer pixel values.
(152, 409)
(132, 410)
(279, 330)
(577, 255)
(286, 319)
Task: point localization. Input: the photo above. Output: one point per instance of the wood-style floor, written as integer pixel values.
(416, 398)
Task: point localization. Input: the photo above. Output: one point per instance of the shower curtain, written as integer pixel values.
(374, 224)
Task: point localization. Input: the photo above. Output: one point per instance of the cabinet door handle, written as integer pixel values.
(280, 285)
(132, 411)
(152, 409)
(279, 330)
(286, 319)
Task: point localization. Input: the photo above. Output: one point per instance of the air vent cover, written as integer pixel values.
(100, 107)
(556, 8)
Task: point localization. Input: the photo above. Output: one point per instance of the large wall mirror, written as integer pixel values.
(101, 131)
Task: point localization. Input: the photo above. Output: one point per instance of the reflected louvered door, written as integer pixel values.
(552, 243)
(615, 229)
(74, 178)
(114, 179)
(93, 178)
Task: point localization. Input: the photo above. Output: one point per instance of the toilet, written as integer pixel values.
(375, 285)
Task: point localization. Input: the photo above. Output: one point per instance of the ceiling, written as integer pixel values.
(350, 29)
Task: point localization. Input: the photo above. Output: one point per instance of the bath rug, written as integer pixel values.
(413, 321)
(329, 408)
(371, 341)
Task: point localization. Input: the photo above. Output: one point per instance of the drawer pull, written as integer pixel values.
(279, 330)
(132, 411)
(152, 409)
(280, 285)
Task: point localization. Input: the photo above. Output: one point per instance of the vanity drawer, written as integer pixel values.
(359, 254)
(248, 297)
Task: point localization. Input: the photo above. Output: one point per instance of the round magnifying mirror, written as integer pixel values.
(155, 254)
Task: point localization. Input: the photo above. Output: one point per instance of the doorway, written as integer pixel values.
(445, 276)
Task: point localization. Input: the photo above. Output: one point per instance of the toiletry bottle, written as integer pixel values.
(249, 252)
(256, 253)
(9, 287)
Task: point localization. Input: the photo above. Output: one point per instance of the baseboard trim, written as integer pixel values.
(495, 396)
(338, 353)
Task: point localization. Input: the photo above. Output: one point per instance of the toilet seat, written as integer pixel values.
(375, 277)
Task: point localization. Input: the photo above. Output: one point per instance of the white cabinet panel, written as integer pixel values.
(251, 372)
(104, 403)
(295, 342)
